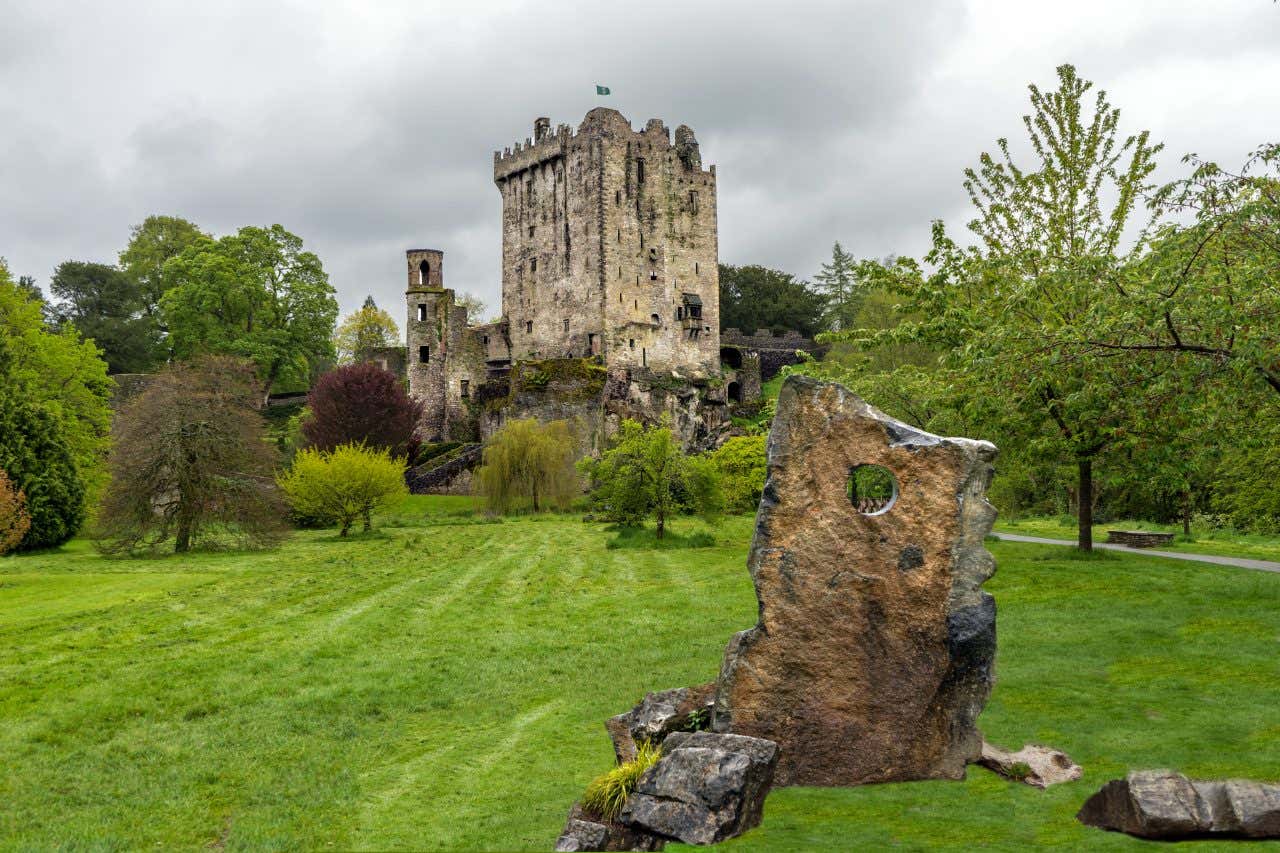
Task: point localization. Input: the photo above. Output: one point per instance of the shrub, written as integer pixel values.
(646, 474)
(741, 463)
(34, 452)
(192, 463)
(607, 793)
(361, 403)
(343, 485)
(14, 520)
(528, 460)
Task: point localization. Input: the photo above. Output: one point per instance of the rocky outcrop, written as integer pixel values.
(658, 715)
(875, 644)
(1038, 766)
(706, 788)
(1161, 804)
(583, 832)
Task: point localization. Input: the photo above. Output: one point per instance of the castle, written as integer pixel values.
(610, 293)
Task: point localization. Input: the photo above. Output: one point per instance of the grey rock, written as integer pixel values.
(706, 788)
(1046, 766)
(1161, 804)
(658, 715)
(583, 831)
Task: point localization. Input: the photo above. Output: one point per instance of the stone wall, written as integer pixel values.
(775, 351)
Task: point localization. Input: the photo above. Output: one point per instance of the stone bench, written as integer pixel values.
(1139, 538)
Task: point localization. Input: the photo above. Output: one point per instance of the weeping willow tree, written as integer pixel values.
(528, 461)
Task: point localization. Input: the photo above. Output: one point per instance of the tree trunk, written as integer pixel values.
(535, 497)
(1084, 504)
(183, 545)
(368, 520)
(346, 526)
(662, 523)
(1186, 513)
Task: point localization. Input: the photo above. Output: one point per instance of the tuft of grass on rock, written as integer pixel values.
(608, 792)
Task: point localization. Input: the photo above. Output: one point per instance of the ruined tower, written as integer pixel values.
(609, 246)
(430, 314)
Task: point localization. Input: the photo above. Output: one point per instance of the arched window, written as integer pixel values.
(424, 273)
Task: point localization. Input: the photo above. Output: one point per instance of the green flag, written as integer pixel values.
(602, 90)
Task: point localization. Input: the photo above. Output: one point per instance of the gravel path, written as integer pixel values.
(1238, 562)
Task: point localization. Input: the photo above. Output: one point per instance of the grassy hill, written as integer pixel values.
(442, 684)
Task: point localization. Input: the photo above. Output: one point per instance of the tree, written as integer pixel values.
(645, 474)
(151, 245)
(191, 464)
(343, 485)
(361, 403)
(14, 519)
(529, 460)
(838, 282)
(1006, 311)
(38, 461)
(106, 307)
(363, 331)
(55, 373)
(475, 307)
(755, 297)
(255, 294)
(741, 464)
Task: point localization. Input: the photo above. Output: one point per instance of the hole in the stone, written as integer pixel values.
(872, 489)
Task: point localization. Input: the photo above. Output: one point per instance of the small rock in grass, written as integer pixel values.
(1161, 804)
(1038, 766)
(583, 831)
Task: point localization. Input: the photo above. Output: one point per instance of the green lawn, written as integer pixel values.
(442, 684)
(1226, 543)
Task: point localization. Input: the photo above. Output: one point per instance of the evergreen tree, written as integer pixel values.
(838, 282)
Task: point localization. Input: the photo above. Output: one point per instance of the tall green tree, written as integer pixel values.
(152, 244)
(529, 461)
(364, 330)
(256, 294)
(107, 308)
(839, 282)
(59, 374)
(1052, 238)
(755, 297)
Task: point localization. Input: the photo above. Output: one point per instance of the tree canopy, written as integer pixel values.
(256, 294)
(152, 244)
(364, 330)
(107, 307)
(361, 404)
(755, 297)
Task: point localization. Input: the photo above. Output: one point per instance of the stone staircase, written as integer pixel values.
(435, 474)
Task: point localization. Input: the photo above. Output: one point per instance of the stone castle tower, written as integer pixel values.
(609, 255)
(609, 245)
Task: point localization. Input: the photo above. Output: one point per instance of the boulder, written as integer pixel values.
(1038, 766)
(658, 715)
(583, 831)
(706, 788)
(1161, 804)
(873, 654)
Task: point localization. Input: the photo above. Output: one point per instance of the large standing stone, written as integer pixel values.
(874, 650)
(1161, 804)
(706, 787)
(658, 715)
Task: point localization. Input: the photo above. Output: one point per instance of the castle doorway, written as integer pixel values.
(735, 392)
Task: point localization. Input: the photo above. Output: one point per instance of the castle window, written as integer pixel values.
(695, 268)
(422, 311)
(617, 197)
(528, 327)
(644, 357)
(653, 275)
(424, 273)
(693, 201)
(632, 343)
(424, 354)
(679, 313)
(655, 319)
(466, 388)
(533, 265)
(566, 325)
(530, 231)
(639, 171)
(591, 342)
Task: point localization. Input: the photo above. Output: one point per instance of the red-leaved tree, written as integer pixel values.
(361, 403)
(14, 520)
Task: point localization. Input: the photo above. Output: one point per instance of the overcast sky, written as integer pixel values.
(368, 127)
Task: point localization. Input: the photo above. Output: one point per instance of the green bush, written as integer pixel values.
(741, 464)
(607, 793)
(529, 461)
(343, 485)
(38, 460)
